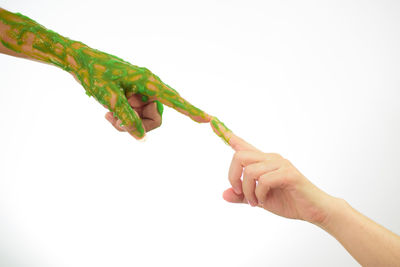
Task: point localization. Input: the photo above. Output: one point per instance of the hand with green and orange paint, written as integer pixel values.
(133, 95)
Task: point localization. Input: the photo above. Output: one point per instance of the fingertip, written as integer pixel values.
(238, 143)
(113, 121)
(108, 116)
(220, 129)
(136, 134)
(134, 125)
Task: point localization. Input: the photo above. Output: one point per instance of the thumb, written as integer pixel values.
(230, 196)
(128, 116)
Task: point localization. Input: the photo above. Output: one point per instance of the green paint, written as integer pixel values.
(104, 76)
(9, 46)
(160, 107)
(145, 98)
(220, 129)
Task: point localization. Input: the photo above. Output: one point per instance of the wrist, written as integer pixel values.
(335, 209)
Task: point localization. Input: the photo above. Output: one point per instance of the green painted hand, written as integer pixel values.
(113, 82)
(116, 84)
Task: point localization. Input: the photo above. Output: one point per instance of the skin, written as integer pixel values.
(271, 182)
(134, 95)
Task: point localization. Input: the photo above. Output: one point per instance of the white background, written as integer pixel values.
(316, 81)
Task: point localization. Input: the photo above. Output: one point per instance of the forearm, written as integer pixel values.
(23, 37)
(368, 242)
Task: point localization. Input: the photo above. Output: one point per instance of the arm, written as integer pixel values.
(368, 242)
(109, 79)
(3, 29)
(5, 50)
(273, 183)
(25, 38)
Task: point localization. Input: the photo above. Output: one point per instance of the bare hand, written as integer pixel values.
(269, 181)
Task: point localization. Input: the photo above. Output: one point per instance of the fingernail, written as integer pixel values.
(252, 203)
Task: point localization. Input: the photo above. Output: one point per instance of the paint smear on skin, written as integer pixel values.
(104, 76)
(220, 129)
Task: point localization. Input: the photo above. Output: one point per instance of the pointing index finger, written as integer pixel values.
(238, 144)
(155, 89)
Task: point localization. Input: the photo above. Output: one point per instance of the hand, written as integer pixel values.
(273, 183)
(148, 111)
(115, 83)
(121, 86)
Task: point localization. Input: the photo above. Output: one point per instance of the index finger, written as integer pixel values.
(155, 89)
(238, 144)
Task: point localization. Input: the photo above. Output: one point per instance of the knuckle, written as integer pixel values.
(235, 146)
(262, 182)
(290, 176)
(248, 172)
(237, 156)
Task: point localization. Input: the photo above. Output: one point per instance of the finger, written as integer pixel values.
(230, 196)
(266, 182)
(252, 173)
(150, 113)
(240, 160)
(239, 144)
(137, 101)
(119, 125)
(248, 187)
(229, 137)
(113, 120)
(171, 98)
(221, 130)
(160, 107)
(129, 117)
(151, 117)
(150, 85)
(114, 98)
